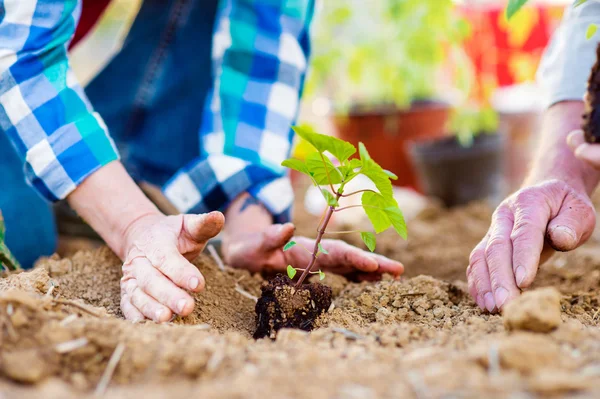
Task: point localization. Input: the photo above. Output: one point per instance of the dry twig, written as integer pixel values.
(110, 369)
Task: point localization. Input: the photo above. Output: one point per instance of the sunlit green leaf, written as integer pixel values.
(391, 175)
(323, 172)
(369, 240)
(291, 272)
(383, 213)
(289, 245)
(340, 149)
(591, 31)
(321, 275)
(579, 2)
(323, 250)
(355, 163)
(373, 171)
(513, 7)
(331, 201)
(297, 165)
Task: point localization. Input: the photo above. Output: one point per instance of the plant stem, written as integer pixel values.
(313, 259)
(357, 192)
(343, 232)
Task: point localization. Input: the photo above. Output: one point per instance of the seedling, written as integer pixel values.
(285, 304)
(379, 205)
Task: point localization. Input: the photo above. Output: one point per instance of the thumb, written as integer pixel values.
(201, 228)
(277, 235)
(572, 226)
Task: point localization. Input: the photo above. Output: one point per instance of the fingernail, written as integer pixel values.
(564, 230)
(158, 315)
(501, 295)
(490, 305)
(520, 275)
(193, 283)
(581, 149)
(181, 305)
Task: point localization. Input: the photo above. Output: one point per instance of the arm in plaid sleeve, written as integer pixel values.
(43, 109)
(260, 53)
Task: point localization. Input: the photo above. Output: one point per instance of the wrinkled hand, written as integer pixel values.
(157, 271)
(507, 259)
(263, 251)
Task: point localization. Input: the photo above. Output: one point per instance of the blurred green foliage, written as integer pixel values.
(383, 52)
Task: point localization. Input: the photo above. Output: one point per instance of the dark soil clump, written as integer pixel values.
(281, 305)
(591, 117)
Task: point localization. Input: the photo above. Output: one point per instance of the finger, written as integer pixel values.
(155, 284)
(478, 276)
(129, 311)
(387, 265)
(201, 228)
(589, 153)
(531, 219)
(178, 269)
(150, 307)
(572, 226)
(499, 254)
(277, 235)
(575, 139)
(344, 258)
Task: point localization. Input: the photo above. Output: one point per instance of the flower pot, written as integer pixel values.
(385, 133)
(458, 175)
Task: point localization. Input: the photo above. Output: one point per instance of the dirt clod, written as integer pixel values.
(282, 305)
(537, 311)
(25, 366)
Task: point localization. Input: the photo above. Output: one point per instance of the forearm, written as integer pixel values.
(110, 201)
(553, 158)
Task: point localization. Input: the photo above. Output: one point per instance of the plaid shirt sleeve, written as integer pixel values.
(260, 55)
(43, 109)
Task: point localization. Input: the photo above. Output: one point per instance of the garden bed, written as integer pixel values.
(420, 337)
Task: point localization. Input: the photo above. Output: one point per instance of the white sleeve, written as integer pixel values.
(569, 57)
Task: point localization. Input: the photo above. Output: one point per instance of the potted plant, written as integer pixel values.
(465, 166)
(379, 62)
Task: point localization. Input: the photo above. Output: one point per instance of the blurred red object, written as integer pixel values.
(90, 14)
(506, 53)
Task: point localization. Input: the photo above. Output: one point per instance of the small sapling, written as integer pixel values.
(306, 302)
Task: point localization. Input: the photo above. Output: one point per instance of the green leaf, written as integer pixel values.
(289, 245)
(319, 170)
(331, 201)
(354, 163)
(391, 175)
(578, 3)
(591, 31)
(323, 250)
(373, 171)
(369, 240)
(340, 149)
(513, 7)
(291, 272)
(383, 213)
(321, 275)
(297, 165)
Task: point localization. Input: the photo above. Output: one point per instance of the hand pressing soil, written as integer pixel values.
(281, 305)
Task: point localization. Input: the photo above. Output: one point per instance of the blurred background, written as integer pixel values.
(442, 92)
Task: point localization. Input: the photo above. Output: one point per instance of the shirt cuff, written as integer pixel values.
(568, 59)
(58, 164)
(212, 183)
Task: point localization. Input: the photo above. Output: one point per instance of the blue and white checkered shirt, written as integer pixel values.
(260, 55)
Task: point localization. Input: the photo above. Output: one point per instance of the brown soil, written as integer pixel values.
(420, 337)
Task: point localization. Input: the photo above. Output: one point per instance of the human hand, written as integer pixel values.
(157, 271)
(506, 260)
(588, 153)
(263, 251)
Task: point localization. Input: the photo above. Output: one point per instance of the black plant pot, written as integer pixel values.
(458, 175)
